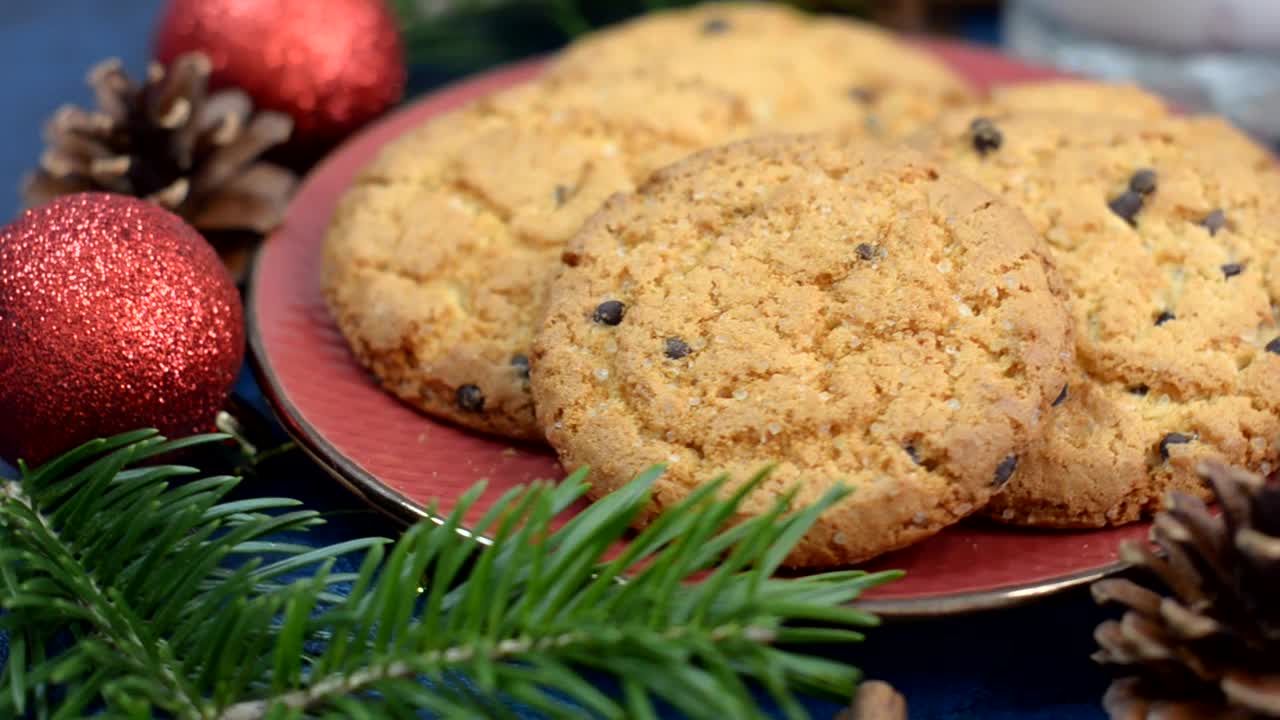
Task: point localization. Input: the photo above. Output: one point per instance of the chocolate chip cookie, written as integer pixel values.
(1166, 232)
(437, 257)
(846, 314)
(793, 71)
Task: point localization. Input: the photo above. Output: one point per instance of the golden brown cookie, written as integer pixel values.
(793, 71)
(1080, 96)
(1166, 233)
(848, 314)
(437, 256)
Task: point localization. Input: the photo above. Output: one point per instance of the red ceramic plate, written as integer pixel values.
(399, 460)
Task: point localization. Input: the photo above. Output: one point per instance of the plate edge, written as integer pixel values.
(403, 510)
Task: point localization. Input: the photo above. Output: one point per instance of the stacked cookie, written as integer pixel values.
(738, 236)
(1166, 232)
(440, 256)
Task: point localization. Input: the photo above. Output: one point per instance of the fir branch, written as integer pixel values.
(122, 593)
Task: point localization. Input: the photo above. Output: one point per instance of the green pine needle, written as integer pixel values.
(130, 589)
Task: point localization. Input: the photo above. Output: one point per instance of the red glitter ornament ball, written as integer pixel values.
(333, 65)
(115, 315)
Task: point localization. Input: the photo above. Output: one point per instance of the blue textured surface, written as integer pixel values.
(1027, 663)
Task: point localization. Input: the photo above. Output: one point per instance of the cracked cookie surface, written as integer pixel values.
(436, 260)
(793, 71)
(1166, 232)
(438, 256)
(847, 314)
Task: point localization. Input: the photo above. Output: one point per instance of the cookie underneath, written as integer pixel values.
(791, 71)
(1167, 234)
(437, 259)
(849, 315)
(1080, 96)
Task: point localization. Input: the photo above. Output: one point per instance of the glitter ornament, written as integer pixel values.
(332, 65)
(114, 315)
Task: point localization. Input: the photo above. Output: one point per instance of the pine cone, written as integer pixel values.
(172, 142)
(1212, 648)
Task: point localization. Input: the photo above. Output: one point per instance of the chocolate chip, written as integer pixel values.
(521, 364)
(676, 348)
(1231, 270)
(1274, 346)
(1143, 181)
(1139, 389)
(985, 135)
(609, 312)
(562, 195)
(715, 26)
(1214, 221)
(912, 453)
(1126, 205)
(470, 398)
(1062, 397)
(1004, 471)
(866, 251)
(1172, 439)
(863, 95)
(1164, 317)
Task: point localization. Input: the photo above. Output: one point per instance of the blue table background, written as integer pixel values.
(1027, 663)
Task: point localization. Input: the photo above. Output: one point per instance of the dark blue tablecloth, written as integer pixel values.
(1025, 663)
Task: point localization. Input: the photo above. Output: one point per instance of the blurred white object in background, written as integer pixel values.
(1206, 55)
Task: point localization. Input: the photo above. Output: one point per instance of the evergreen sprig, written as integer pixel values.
(129, 587)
